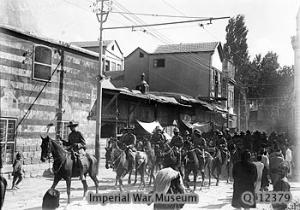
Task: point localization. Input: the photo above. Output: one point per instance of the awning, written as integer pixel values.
(149, 127)
(203, 127)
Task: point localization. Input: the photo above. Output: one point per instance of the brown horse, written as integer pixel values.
(116, 158)
(64, 165)
(205, 164)
(222, 158)
(152, 160)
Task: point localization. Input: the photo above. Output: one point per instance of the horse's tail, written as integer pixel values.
(93, 164)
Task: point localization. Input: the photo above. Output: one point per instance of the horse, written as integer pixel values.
(3, 186)
(141, 162)
(116, 157)
(170, 158)
(65, 167)
(152, 160)
(205, 162)
(191, 163)
(222, 157)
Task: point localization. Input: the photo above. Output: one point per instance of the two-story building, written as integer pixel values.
(113, 58)
(181, 68)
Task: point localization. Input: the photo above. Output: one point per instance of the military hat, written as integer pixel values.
(72, 124)
(158, 128)
(176, 130)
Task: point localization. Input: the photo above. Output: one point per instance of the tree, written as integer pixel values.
(236, 47)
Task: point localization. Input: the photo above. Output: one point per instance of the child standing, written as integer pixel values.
(18, 172)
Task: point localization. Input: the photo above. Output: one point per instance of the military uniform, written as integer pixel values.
(177, 141)
(221, 141)
(129, 140)
(158, 139)
(78, 145)
(199, 142)
(76, 140)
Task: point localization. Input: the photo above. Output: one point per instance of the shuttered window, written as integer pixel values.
(7, 141)
(42, 63)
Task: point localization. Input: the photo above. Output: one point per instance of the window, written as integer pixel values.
(7, 141)
(157, 63)
(119, 67)
(113, 47)
(113, 66)
(64, 130)
(42, 63)
(141, 55)
(107, 67)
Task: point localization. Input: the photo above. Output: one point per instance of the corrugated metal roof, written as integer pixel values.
(187, 47)
(91, 43)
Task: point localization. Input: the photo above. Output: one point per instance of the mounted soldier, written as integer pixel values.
(221, 142)
(158, 138)
(177, 140)
(198, 140)
(128, 139)
(77, 146)
(177, 143)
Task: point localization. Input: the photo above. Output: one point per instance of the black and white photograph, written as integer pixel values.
(138, 104)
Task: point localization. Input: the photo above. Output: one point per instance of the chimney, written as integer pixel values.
(143, 86)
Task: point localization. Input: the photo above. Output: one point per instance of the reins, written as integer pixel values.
(62, 162)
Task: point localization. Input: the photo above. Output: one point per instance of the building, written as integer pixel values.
(47, 81)
(190, 69)
(113, 58)
(228, 86)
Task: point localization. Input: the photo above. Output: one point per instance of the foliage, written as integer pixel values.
(236, 47)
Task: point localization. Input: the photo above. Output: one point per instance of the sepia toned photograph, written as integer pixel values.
(162, 104)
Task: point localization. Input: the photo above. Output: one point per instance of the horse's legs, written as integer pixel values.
(195, 178)
(55, 182)
(219, 169)
(203, 178)
(142, 173)
(209, 173)
(85, 187)
(135, 176)
(228, 169)
(186, 177)
(129, 177)
(94, 178)
(68, 181)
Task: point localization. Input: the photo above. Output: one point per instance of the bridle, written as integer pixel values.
(48, 151)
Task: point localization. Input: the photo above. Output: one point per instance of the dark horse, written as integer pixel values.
(64, 166)
(3, 186)
(171, 158)
(116, 158)
(195, 160)
(221, 158)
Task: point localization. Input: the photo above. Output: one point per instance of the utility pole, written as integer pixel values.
(102, 17)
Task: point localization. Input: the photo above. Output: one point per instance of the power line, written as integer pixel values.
(156, 15)
(166, 23)
(173, 7)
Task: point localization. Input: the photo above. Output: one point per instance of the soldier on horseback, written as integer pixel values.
(198, 140)
(77, 145)
(157, 138)
(177, 143)
(221, 142)
(128, 139)
(177, 140)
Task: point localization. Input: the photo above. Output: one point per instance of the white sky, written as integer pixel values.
(271, 23)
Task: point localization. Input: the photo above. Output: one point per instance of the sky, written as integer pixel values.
(271, 23)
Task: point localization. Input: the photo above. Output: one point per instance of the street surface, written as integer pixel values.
(30, 194)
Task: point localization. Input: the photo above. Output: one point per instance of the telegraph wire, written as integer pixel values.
(157, 15)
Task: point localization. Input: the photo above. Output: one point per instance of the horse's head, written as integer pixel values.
(45, 148)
